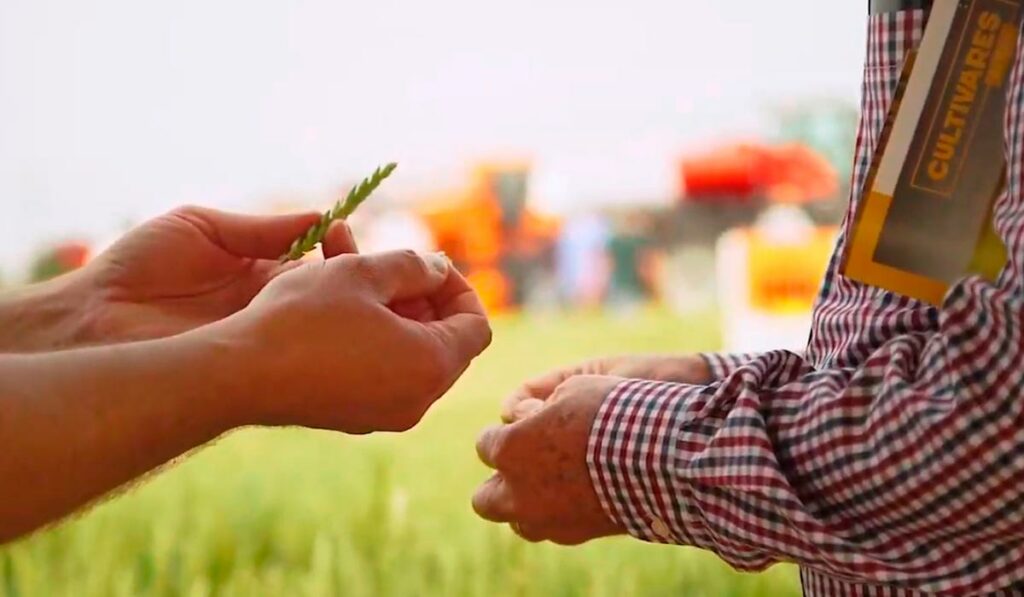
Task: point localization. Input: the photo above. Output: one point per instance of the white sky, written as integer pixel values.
(115, 110)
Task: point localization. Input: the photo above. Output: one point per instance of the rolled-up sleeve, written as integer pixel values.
(908, 470)
(722, 364)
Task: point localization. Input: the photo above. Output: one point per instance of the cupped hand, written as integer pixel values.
(542, 486)
(323, 346)
(531, 395)
(186, 269)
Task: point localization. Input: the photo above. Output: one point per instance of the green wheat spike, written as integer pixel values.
(341, 210)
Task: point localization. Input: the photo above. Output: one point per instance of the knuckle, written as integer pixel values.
(499, 447)
(503, 448)
(188, 210)
(572, 385)
(410, 256)
(509, 408)
(365, 270)
(560, 391)
(191, 214)
(489, 445)
(415, 263)
(527, 408)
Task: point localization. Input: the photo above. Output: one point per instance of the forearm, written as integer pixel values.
(905, 471)
(43, 317)
(75, 425)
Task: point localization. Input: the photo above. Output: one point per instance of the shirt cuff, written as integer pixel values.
(721, 365)
(631, 455)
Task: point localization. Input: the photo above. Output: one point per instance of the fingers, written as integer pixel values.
(252, 236)
(537, 389)
(399, 276)
(521, 410)
(456, 296)
(461, 326)
(493, 500)
(464, 336)
(339, 240)
(489, 443)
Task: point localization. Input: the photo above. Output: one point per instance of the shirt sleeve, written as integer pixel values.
(907, 471)
(722, 364)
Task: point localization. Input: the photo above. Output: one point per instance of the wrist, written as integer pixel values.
(47, 316)
(219, 373)
(701, 372)
(689, 369)
(240, 381)
(631, 453)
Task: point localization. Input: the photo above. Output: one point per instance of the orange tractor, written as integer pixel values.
(491, 234)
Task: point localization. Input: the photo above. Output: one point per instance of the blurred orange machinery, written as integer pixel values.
(788, 173)
(490, 233)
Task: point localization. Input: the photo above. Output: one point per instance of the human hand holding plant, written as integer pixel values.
(179, 271)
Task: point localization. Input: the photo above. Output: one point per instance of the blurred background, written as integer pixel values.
(651, 176)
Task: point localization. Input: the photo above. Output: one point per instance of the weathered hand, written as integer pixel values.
(188, 268)
(530, 396)
(542, 486)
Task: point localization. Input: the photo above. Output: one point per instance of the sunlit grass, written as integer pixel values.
(293, 512)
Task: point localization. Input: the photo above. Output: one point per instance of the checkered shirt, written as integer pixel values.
(888, 458)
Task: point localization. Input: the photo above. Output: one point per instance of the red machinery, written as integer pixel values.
(790, 173)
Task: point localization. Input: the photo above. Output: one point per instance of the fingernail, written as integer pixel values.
(437, 262)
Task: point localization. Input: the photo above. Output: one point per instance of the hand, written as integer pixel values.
(321, 346)
(542, 485)
(186, 269)
(528, 398)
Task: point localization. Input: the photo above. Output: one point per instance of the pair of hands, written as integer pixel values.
(542, 485)
(352, 343)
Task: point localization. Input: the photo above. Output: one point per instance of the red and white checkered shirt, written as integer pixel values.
(886, 460)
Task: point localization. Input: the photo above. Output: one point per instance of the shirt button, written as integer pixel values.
(660, 529)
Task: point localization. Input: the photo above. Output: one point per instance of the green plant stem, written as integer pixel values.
(341, 210)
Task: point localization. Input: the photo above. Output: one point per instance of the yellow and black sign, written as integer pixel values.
(925, 221)
(784, 278)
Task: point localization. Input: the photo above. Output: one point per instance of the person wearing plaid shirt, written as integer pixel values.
(887, 459)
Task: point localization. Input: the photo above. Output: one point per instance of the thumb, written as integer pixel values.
(401, 275)
(242, 235)
(339, 240)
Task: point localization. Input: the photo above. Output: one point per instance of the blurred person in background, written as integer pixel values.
(581, 260)
(630, 255)
(885, 459)
(191, 326)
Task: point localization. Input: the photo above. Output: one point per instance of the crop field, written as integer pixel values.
(295, 512)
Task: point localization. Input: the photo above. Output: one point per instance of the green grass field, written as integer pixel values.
(293, 512)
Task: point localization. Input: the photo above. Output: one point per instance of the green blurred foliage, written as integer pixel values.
(58, 260)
